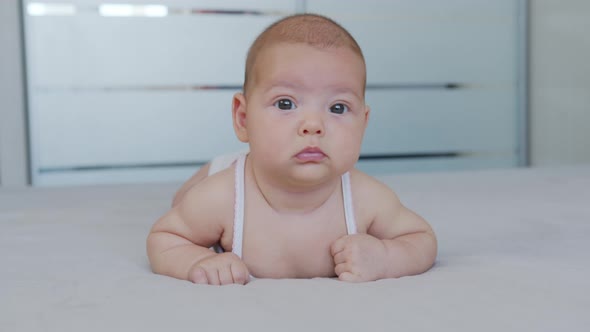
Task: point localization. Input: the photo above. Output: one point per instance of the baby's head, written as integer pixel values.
(303, 108)
(311, 29)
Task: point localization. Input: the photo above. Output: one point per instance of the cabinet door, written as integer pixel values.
(442, 81)
(135, 92)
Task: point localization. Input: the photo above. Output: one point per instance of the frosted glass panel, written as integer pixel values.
(116, 88)
(85, 129)
(433, 121)
(431, 40)
(98, 52)
(442, 79)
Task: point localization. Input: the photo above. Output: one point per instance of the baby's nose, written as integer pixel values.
(311, 130)
(312, 124)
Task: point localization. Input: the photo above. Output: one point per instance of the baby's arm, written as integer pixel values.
(398, 241)
(178, 244)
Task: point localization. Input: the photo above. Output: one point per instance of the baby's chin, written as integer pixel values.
(312, 174)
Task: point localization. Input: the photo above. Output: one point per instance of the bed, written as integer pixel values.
(514, 255)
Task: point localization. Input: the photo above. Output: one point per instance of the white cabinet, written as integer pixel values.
(148, 98)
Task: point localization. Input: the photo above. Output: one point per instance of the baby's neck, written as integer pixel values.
(285, 198)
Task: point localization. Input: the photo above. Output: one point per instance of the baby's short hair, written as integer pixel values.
(312, 29)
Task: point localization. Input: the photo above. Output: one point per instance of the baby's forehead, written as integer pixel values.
(281, 45)
(284, 54)
(278, 42)
(278, 48)
(271, 68)
(300, 67)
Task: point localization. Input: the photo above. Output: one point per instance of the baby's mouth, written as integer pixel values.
(310, 154)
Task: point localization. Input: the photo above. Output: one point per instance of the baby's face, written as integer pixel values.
(306, 113)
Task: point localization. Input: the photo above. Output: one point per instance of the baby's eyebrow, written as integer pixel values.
(278, 84)
(283, 84)
(346, 90)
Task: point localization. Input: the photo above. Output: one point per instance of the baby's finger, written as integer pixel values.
(239, 272)
(198, 276)
(342, 268)
(340, 257)
(338, 245)
(225, 276)
(349, 277)
(212, 276)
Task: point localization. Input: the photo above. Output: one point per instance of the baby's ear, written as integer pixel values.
(367, 112)
(239, 116)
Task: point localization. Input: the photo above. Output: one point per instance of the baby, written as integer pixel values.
(293, 206)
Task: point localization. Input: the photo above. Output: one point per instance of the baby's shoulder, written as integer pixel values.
(369, 191)
(214, 193)
(364, 182)
(372, 199)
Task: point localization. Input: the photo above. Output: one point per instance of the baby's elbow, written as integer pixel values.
(430, 250)
(154, 246)
(150, 244)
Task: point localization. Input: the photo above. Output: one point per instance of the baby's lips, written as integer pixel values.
(311, 154)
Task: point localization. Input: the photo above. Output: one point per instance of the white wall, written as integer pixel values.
(13, 152)
(560, 82)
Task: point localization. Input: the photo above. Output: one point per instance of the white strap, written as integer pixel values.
(239, 206)
(348, 209)
(224, 161)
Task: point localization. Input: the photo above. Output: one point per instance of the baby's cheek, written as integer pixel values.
(351, 153)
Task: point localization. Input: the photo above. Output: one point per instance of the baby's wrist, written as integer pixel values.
(384, 270)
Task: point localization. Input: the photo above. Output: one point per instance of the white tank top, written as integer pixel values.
(239, 205)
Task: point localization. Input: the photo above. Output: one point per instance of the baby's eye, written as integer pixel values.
(339, 108)
(285, 104)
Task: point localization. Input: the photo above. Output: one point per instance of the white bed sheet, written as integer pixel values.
(514, 255)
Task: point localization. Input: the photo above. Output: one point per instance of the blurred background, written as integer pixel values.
(96, 92)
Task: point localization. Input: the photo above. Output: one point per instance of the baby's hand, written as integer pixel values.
(220, 269)
(359, 257)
